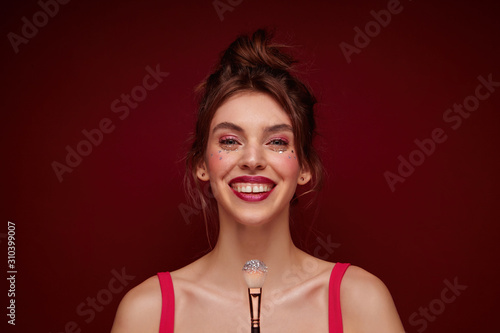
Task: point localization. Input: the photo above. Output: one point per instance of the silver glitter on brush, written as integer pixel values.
(254, 265)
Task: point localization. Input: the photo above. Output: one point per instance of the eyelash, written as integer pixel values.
(224, 143)
(277, 144)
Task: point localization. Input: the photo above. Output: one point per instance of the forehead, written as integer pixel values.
(251, 109)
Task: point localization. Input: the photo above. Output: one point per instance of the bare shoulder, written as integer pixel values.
(367, 305)
(140, 309)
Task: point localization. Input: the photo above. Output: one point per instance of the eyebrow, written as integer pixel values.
(227, 125)
(278, 128)
(270, 129)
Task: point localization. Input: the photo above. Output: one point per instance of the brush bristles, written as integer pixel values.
(254, 279)
(254, 273)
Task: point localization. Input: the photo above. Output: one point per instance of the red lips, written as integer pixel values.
(252, 197)
(251, 179)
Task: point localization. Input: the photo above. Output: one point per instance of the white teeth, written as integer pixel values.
(252, 188)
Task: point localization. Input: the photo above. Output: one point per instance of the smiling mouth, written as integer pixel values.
(251, 188)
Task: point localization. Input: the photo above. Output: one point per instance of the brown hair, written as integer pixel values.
(252, 64)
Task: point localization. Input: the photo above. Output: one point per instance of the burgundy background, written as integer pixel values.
(120, 206)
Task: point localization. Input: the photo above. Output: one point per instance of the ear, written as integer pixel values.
(304, 176)
(202, 172)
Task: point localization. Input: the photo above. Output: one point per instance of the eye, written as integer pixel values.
(228, 143)
(278, 144)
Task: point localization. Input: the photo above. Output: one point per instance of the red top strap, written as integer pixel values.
(335, 313)
(168, 303)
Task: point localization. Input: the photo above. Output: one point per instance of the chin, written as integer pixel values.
(252, 222)
(254, 214)
(252, 218)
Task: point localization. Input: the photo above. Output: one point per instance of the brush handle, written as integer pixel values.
(254, 295)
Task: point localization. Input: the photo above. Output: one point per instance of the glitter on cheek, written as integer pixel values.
(220, 151)
(220, 158)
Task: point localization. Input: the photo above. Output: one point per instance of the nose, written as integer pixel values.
(253, 157)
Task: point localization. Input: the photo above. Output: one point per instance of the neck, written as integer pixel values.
(270, 242)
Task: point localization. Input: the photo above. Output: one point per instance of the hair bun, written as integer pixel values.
(254, 52)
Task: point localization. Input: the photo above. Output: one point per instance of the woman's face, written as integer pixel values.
(250, 159)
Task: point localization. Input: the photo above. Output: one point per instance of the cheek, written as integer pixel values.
(287, 162)
(290, 156)
(220, 161)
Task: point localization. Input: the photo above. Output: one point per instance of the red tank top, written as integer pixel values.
(334, 312)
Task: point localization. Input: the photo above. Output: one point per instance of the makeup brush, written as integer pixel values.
(254, 272)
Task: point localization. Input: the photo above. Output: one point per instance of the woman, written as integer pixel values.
(253, 145)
